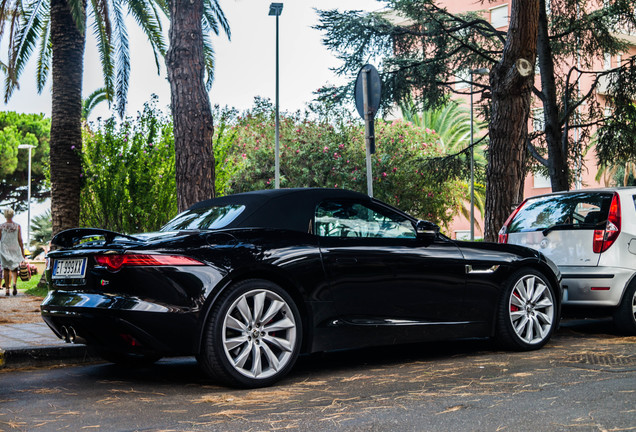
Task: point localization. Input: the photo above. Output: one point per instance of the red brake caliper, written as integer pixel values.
(515, 308)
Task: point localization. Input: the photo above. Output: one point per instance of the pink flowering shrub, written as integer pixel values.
(316, 152)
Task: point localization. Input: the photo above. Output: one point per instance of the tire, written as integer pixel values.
(252, 336)
(128, 360)
(625, 315)
(527, 314)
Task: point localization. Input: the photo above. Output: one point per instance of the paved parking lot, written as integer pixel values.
(583, 380)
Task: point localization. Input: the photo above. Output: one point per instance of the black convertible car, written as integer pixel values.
(247, 282)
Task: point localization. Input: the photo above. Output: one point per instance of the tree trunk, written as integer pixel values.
(190, 104)
(509, 121)
(557, 155)
(66, 117)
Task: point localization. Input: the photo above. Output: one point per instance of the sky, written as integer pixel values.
(245, 66)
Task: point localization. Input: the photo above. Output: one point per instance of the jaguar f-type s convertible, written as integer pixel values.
(247, 282)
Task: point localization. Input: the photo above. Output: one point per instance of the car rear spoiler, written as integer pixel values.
(76, 236)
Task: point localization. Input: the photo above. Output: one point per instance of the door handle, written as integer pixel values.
(471, 270)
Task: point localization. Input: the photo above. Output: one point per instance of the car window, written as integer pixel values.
(582, 210)
(353, 219)
(215, 217)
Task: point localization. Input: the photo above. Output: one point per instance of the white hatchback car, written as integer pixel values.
(591, 236)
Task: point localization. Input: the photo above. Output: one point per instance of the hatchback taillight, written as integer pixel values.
(503, 232)
(115, 262)
(604, 238)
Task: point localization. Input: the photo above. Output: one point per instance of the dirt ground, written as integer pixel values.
(20, 309)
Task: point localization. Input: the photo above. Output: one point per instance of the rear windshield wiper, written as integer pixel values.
(549, 229)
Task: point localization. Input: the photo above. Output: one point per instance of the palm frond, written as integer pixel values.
(78, 12)
(9, 11)
(100, 25)
(148, 19)
(208, 55)
(213, 17)
(122, 52)
(24, 35)
(92, 100)
(163, 6)
(45, 54)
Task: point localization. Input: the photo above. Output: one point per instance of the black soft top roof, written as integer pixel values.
(279, 208)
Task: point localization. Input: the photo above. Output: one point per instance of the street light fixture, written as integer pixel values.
(275, 9)
(29, 147)
(480, 71)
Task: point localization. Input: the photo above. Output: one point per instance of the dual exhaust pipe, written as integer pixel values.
(70, 335)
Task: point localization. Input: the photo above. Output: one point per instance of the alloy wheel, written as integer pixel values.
(259, 334)
(531, 309)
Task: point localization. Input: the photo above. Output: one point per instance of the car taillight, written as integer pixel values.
(604, 238)
(503, 232)
(115, 262)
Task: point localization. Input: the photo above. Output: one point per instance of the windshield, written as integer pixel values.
(583, 210)
(205, 218)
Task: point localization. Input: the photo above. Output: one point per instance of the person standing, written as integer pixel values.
(11, 251)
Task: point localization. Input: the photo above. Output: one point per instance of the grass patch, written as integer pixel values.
(31, 286)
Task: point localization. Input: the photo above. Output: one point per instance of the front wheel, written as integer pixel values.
(625, 316)
(527, 312)
(253, 335)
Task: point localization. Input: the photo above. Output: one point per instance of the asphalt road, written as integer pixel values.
(584, 380)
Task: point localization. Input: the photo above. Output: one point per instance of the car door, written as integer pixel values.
(380, 272)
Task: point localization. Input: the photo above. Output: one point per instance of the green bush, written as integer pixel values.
(129, 173)
(129, 181)
(324, 153)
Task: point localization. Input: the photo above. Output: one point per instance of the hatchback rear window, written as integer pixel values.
(584, 210)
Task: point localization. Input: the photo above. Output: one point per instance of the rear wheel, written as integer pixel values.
(625, 316)
(527, 312)
(253, 335)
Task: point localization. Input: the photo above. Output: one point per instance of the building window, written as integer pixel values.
(607, 61)
(462, 235)
(499, 16)
(538, 120)
(463, 79)
(541, 181)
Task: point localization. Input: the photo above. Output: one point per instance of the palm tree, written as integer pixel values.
(41, 230)
(609, 173)
(56, 29)
(451, 122)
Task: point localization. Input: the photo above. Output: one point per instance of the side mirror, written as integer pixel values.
(426, 230)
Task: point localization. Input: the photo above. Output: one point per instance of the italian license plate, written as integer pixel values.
(69, 268)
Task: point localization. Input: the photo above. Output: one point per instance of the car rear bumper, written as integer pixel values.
(594, 286)
(118, 323)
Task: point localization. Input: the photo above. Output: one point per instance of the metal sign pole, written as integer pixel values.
(367, 95)
(368, 130)
(277, 127)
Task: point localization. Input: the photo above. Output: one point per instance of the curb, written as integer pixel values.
(43, 356)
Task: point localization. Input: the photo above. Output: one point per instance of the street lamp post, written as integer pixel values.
(480, 71)
(29, 147)
(275, 9)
